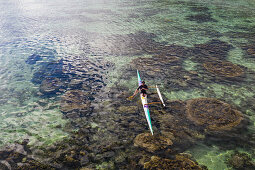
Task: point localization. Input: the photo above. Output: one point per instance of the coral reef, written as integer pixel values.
(180, 162)
(201, 18)
(16, 156)
(250, 50)
(210, 51)
(240, 161)
(50, 85)
(213, 114)
(174, 123)
(195, 8)
(76, 101)
(157, 64)
(152, 143)
(166, 67)
(76, 72)
(33, 59)
(224, 68)
(50, 70)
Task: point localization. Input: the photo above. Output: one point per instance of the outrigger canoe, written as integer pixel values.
(145, 104)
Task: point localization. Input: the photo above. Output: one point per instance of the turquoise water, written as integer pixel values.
(53, 51)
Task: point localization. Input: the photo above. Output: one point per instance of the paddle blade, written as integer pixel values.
(130, 98)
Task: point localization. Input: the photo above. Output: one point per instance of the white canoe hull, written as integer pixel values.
(146, 111)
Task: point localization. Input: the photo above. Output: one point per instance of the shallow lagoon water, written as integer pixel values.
(93, 47)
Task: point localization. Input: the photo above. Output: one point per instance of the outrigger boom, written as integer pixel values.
(160, 96)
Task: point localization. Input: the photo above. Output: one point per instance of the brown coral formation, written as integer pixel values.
(250, 50)
(74, 100)
(180, 162)
(240, 161)
(155, 64)
(152, 143)
(167, 67)
(213, 113)
(50, 85)
(223, 68)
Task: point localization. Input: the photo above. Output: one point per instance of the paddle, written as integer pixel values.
(130, 97)
(153, 103)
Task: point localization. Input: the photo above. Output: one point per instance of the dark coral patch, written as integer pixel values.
(201, 18)
(50, 70)
(213, 114)
(224, 68)
(33, 59)
(213, 50)
(199, 9)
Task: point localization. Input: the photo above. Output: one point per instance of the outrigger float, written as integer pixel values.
(146, 104)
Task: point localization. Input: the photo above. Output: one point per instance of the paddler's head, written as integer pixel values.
(143, 82)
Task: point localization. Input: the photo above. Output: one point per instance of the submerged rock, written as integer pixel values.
(75, 100)
(240, 161)
(127, 109)
(224, 68)
(152, 143)
(16, 156)
(50, 86)
(213, 114)
(50, 70)
(33, 59)
(180, 162)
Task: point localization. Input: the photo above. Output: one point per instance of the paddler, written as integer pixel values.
(142, 88)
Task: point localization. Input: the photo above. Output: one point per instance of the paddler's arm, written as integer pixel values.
(136, 91)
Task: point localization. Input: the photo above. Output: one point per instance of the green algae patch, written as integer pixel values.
(236, 56)
(41, 127)
(106, 165)
(189, 65)
(212, 157)
(235, 94)
(184, 94)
